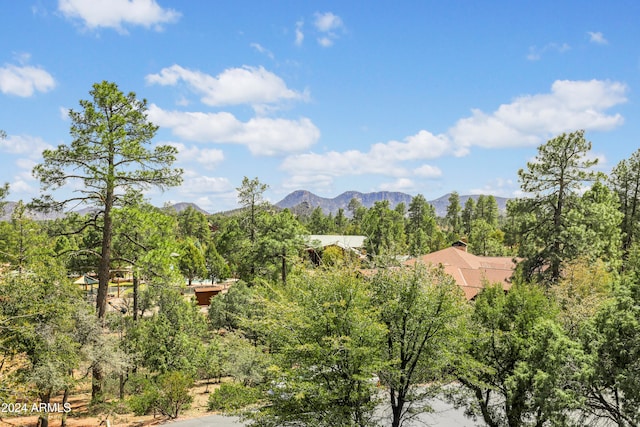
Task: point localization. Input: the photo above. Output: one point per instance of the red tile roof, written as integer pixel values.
(470, 271)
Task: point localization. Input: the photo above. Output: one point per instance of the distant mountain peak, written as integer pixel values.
(307, 201)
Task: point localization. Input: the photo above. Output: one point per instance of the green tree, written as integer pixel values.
(144, 239)
(193, 223)
(318, 222)
(384, 229)
(251, 199)
(324, 338)
(340, 221)
(625, 182)
(357, 211)
(485, 239)
(278, 246)
(453, 214)
(552, 182)
(424, 312)
(170, 339)
(613, 346)
(191, 261)
(38, 320)
(487, 209)
(422, 229)
(227, 310)
(107, 157)
(524, 370)
(468, 215)
(217, 267)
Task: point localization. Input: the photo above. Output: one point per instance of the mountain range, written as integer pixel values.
(302, 201)
(5, 214)
(306, 200)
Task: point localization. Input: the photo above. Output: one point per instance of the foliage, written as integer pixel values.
(226, 310)
(168, 394)
(231, 397)
(625, 182)
(217, 267)
(613, 346)
(424, 312)
(170, 339)
(384, 229)
(191, 261)
(423, 234)
(324, 338)
(486, 239)
(585, 286)
(193, 224)
(39, 319)
(210, 363)
(552, 183)
(251, 198)
(245, 361)
(109, 159)
(278, 245)
(173, 393)
(525, 369)
(452, 216)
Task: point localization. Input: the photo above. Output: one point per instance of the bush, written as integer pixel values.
(144, 394)
(231, 397)
(173, 393)
(168, 394)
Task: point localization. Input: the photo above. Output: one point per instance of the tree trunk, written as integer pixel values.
(135, 297)
(65, 399)
(43, 418)
(284, 266)
(103, 285)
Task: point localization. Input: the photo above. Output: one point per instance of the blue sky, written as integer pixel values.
(414, 96)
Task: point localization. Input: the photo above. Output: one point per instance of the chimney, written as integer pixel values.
(461, 245)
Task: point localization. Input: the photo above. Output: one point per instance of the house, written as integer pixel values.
(316, 243)
(470, 271)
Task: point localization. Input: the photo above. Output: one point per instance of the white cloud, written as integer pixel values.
(195, 183)
(263, 136)
(209, 158)
(597, 38)
(32, 146)
(499, 187)
(64, 113)
(535, 53)
(328, 24)
(531, 119)
(400, 184)
(20, 186)
(299, 34)
(117, 13)
(381, 159)
(528, 120)
(24, 80)
(325, 41)
(261, 49)
(428, 171)
(318, 182)
(246, 85)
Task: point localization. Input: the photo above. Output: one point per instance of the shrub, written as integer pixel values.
(231, 397)
(173, 393)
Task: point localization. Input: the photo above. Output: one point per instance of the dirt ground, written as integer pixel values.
(78, 416)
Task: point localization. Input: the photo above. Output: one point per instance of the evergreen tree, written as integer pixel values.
(108, 157)
(453, 214)
(625, 182)
(552, 182)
